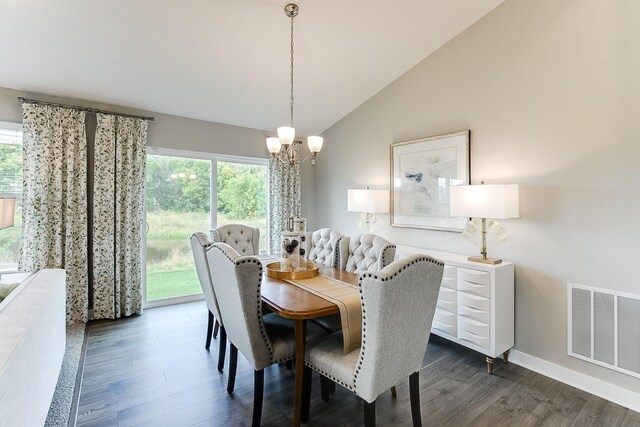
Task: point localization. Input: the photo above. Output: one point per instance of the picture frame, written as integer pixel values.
(422, 172)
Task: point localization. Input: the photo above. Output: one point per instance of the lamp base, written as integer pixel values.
(484, 260)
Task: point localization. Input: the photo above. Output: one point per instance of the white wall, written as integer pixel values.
(174, 132)
(551, 93)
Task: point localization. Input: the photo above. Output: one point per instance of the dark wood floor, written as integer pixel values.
(153, 370)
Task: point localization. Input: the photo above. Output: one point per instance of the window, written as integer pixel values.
(11, 186)
(188, 192)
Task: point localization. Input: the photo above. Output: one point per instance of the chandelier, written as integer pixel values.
(287, 134)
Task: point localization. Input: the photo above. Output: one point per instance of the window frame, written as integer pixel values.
(214, 158)
(17, 126)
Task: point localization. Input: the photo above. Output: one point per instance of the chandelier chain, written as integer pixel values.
(291, 82)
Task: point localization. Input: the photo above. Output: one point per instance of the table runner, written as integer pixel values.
(346, 297)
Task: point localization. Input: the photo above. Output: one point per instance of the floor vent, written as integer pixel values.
(604, 328)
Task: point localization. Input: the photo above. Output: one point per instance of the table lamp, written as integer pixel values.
(368, 203)
(488, 202)
(7, 212)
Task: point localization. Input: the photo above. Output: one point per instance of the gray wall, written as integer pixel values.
(551, 93)
(175, 132)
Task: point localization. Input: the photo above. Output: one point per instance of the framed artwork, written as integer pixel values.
(422, 172)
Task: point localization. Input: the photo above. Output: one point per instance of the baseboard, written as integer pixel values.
(603, 389)
(75, 402)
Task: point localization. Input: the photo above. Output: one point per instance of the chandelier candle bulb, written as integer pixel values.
(273, 145)
(286, 135)
(315, 144)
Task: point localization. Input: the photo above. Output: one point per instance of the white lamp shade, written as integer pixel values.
(368, 201)
(286, 135)
(485, 201)
(273, 145)
(7, 212)
(315, 143)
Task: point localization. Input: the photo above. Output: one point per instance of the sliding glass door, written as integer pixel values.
(183, 190)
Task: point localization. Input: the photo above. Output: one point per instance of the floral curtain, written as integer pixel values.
(54, 206)
(284, 195)
(118, 207)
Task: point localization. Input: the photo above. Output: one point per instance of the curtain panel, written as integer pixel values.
(284, 195)
(54, 210)
(118, 208)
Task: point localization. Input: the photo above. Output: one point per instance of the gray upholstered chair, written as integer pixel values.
(263, 340)
(244, 239)
(323, 247)
(367, 252)
(398, 304)
(199, 244)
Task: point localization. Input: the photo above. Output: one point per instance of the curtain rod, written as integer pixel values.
(87, 109)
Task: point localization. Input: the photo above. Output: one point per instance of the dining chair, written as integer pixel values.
(199, 244)
(242, 238)
(263, 340)
(367, 252)
(323, 247)
(246, 241)
(398, 304)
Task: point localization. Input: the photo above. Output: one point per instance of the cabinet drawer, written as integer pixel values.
(446, 318)
(450, 271)
(474, 288)
(439, 326)
(449, 282)
(449, 306)
(474, 301)
(473, 313)
(474, 327)
(447, 294)
(473, 338)
(474, 276)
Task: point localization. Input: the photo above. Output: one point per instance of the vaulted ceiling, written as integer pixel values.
(224, 61)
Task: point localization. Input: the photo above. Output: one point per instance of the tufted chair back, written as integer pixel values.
(368, 252)
(323, 246)
(199, 244)
(398, 304)
(244, 239)
(236, 282)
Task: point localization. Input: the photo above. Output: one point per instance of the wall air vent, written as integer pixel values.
(604, 328)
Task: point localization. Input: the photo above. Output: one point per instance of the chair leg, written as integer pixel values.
(209, 330)
(288, 364)
(325, 388)
(332, 387)
(216, 325)
(233, 365)
(306, 393)
(222, 349)
(369, 414)
(414, 392)
(258, 389)
(394, 392)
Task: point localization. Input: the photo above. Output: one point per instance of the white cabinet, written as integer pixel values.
(476, 303)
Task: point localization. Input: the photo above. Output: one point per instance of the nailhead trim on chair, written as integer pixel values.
(385, 253)
(265, 337)
(320, 371)
(364, 317)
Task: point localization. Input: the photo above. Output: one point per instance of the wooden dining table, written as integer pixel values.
(295, 303)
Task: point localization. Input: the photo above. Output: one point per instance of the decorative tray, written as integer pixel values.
(273, 270)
